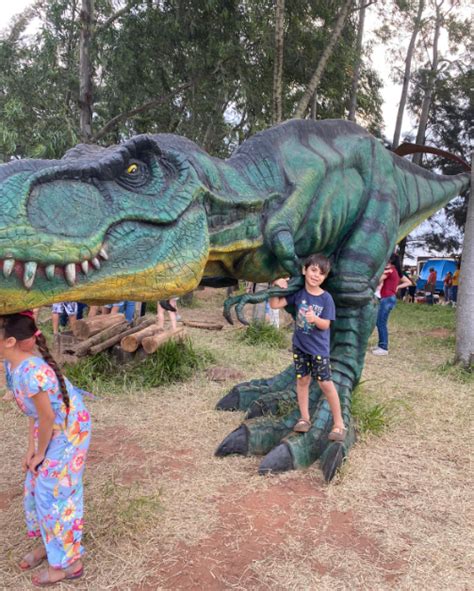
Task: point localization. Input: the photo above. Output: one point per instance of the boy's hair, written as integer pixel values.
(318, 260)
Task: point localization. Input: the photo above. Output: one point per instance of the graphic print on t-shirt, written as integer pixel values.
(301, 321)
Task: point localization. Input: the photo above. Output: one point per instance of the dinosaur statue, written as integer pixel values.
(156, 215)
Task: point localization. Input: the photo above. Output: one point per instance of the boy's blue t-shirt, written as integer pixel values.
(308, 337)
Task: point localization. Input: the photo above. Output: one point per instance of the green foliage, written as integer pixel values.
(262, 334)
(173, 362)
(198, 68)
(370, 418)
(420, 318)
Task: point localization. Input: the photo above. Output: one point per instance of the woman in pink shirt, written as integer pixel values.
(388, 298)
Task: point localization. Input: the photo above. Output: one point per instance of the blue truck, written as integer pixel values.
(442, 268)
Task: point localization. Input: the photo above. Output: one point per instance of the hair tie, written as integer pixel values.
(37, 333)
(28, 313)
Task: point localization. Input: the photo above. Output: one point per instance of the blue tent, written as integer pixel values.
(442, 268)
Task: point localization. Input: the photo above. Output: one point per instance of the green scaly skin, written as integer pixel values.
(156, 216)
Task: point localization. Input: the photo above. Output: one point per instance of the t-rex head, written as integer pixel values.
(101, 225)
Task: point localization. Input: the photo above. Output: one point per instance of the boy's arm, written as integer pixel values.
(276, 302)
(321, 323)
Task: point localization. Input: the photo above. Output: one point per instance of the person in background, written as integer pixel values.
(404, 290)
(430, 286)
(392, 283)
(447, 283)
(68, 308)
(160, 314)
(455, 284)
(412, 288)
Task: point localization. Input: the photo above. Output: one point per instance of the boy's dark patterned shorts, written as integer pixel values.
(319, 367)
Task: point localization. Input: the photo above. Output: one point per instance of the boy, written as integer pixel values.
(315, 311)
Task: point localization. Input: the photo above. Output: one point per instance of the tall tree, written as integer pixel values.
(407, 74)
(278, 65)
(357, 62)
(85, 70)
(465, 306)
(312, 87)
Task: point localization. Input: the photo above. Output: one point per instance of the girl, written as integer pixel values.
(58, 439)
(393, 280)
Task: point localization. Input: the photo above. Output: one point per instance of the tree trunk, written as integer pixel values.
(430, 82)
(315, 80)
(465, 305)
(85, 70)
(406, 75)
(278, 62)
(357, 63)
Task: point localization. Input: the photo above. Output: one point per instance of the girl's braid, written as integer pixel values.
(43, 349)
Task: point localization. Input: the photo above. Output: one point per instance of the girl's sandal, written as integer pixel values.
(337, 434)
(302, 426)
(30, 561)
(43, 579)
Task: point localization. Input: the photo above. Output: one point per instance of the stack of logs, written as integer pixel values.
(93, 335)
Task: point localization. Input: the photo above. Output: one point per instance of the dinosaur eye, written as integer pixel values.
(132, 169)
(137, 174)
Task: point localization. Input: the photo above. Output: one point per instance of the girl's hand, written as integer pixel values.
(34, 463)
(283, 283)
(27, 459)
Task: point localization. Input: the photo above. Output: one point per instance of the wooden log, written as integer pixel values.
(82, 348)
(151, 344)
(88, 327)
(132, 342)
(203, 324)
(117, 338)
(122, 329)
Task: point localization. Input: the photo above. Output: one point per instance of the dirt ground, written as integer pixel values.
(163, 513)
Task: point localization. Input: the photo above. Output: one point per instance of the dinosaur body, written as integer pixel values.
(155, 216)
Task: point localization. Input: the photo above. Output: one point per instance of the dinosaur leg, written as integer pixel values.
(273, 435)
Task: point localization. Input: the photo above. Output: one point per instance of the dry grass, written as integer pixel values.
(163, 513)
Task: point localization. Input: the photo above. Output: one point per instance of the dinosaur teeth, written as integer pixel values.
(70, 273)
(49, 272)
(29, 274)
(103, 254)
(85, 267)
(8, 266)
(96, 263)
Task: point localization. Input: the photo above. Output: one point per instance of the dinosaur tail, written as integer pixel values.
(422, 193)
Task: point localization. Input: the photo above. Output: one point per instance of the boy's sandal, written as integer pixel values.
(43, 578)
(30, 561)
(337, 434)
(302, 426)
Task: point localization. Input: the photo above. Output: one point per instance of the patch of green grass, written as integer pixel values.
(423, 317)
(261, 334)
(286, 406)
(369, 417)
(173, 362)
(456, 372)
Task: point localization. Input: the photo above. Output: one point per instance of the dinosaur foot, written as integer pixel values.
(236, 442)
(278, 460)
(242, 396)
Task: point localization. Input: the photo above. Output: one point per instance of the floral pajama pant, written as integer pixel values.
(53, 500)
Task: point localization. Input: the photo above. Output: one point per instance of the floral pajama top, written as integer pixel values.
(53, 500)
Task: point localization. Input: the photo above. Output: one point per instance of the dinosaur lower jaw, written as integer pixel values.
(138, 261)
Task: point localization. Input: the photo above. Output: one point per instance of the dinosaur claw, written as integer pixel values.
(279, 459)
(230, 401)
(332, 460)
(236, 442)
